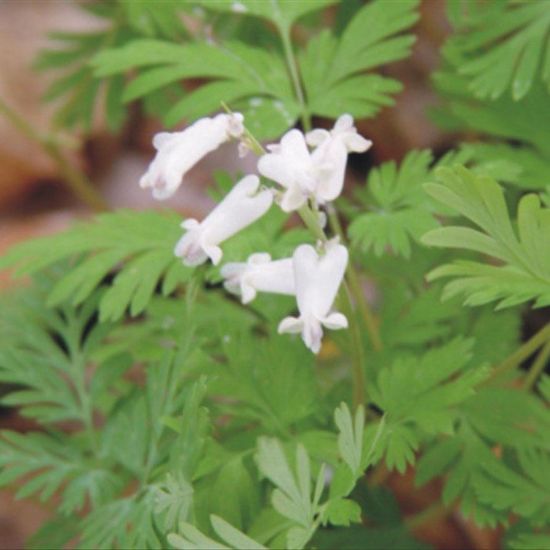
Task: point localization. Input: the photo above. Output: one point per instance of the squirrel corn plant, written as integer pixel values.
(226, 382)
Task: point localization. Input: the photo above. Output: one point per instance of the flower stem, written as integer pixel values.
(541, 338)
(358, 353)
(284, 32)
(312, 223)
(537, 367)
(77, 182)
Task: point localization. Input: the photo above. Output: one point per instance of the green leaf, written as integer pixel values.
(77, 90)
(503, 47)
(271, 378)
(504, 118)
(292, 496)
(372, 38)
(350, 438)
(123, 523)
(190, 538)
(525, 271)
(397, 208)
(281, 12)
(343, 512)
(233, 536)
(54, 533)
(243, 76)
(525, 492)
(55, 464)
(145, 240)
(44, 353)
(422, 394)
(173, 500)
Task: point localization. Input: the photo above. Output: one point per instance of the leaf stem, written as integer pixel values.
(435, 511)
(284, 31)
(537, 367)
(358, 353)
(526, 350)
(77, 364)
(77, 182)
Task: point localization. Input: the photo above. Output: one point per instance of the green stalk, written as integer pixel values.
(526, 350)
(537, 367)
(434, 512)
(75, 180)
(77, 365)
(284, 32)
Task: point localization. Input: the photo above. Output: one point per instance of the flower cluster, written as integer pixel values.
(308, 168)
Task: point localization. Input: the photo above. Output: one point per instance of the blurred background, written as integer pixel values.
(42, 165)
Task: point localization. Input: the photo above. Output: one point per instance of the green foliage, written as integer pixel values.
(525, 273)
(254, 80)
(168, 413)
(77, 88)
(192, 538)
(54, 460)
(333, 67)
(420, 396)
(501, 46)
(247, 78)
(280, 12)
(43, 352)
(145, 240)
(399, 210)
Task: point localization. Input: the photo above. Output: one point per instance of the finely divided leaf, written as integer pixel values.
(331, 66)
(524, 273)
(144, 240)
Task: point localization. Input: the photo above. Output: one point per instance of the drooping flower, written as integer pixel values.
(331, 151)
(317, 280)
(259, 274)
(289, 163)
(243, 205)
(318, 175)
(178, 152)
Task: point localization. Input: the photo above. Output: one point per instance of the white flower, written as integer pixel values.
(318, 175)
(331, 151)
(178, 152)
(317, 281)
(259, 273)
(290, 165)
(242, 206)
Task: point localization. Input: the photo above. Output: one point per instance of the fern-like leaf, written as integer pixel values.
(144, 240)
(525, 271)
